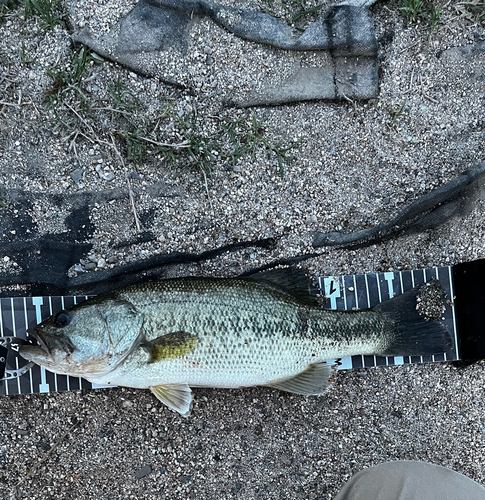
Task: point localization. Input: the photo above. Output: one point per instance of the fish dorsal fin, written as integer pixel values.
(314, 380)
(177, 397)
(171, 346)
(293, 280)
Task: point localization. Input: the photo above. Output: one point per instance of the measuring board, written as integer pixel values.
(348, 292)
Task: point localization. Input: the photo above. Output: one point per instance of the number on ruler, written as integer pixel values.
(332, 291)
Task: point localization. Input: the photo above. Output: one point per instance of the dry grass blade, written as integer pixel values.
(14, 104)
(207, 190)
(180, 145)
(472, 10)
(130, 191)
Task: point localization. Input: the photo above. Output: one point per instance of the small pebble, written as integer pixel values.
(144, 471)
(77, 175)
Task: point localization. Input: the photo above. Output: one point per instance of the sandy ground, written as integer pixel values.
(355, 165)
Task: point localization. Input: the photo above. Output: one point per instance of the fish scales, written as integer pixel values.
(249, 333)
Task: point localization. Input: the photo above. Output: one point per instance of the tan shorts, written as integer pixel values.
(407, 480)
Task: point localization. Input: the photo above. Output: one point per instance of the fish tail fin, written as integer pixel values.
(412, 333)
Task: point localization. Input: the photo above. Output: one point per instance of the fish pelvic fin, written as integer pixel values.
(412, 334)
(313, 381)
(177, 397)
(171, 346)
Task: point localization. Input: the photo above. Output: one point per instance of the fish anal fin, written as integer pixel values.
(171, 346)
(313, 381)
(177, 397)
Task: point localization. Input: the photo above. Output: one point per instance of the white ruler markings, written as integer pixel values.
(38, 303)
(452, 299)
(2, 334)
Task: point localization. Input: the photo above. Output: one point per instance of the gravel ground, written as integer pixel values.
(355, 165)
(252, 443)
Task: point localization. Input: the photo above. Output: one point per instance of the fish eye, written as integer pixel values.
(62, 319)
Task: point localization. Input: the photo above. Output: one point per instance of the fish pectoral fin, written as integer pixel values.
(171, 346)
(177, 397)
(314, 380)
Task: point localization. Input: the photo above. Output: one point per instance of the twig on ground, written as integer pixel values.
(34, 468)
(348, 98)
(426, 96)
(130, 191)
(92, 141)
(184, 144)
(106, 108)
(207, 189)
(72, 146)
(14, 104)
(423, 93)
(83, 121)
(410, 47)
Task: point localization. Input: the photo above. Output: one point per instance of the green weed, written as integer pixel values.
(48, 11)
(434, 19)
(67, 98)
(296, 13)
(421, 11)
(143, 136)
(136, 149)
(411, 10)
(4, 11)
(231, 141)
(123, 98)
(303, 14)
(24, 57)
(70, 78)
(247, 139)
(126, 103)
(396, 114)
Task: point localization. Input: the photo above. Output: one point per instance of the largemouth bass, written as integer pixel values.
(174, 334)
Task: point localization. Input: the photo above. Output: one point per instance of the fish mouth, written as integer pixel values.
(49, 348)
(37, 336)
(36, 347)
(35, 353)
